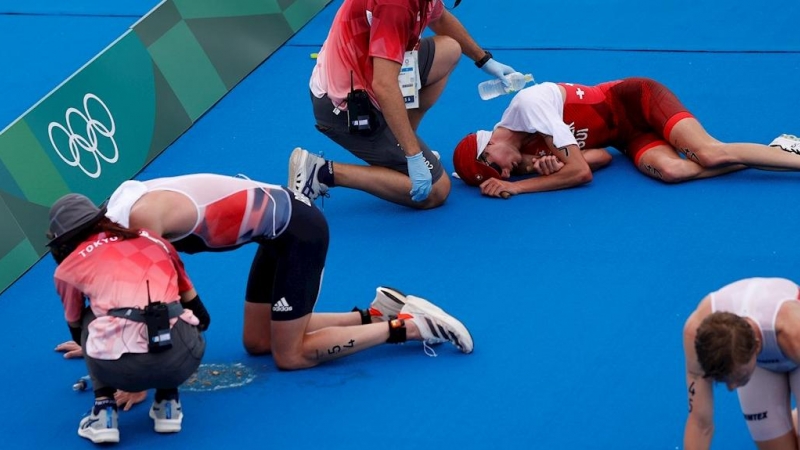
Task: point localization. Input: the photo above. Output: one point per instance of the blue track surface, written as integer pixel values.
(576, 299)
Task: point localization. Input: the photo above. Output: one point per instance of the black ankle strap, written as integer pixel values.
(366, 319)
(397, 330)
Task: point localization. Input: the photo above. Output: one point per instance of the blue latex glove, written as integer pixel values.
(420, 177)
(498, 70)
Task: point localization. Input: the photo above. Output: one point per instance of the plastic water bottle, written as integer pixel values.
(82, 384)
(494, 88)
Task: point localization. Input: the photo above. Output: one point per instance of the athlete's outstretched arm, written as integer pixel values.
(700, 391)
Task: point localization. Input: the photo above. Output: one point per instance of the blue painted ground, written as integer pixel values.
(576, 299)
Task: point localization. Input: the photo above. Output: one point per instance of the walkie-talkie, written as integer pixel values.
(156, 317)
(359, 117)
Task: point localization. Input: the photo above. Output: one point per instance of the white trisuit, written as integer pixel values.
(765, 399)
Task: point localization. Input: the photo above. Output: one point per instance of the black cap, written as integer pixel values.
(70, 215)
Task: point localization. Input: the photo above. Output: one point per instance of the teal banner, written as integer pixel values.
(124, 107)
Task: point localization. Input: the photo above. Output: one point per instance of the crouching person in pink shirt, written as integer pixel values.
(141, 327)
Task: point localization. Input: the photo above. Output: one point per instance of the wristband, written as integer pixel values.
(486, 57)
(75, 334)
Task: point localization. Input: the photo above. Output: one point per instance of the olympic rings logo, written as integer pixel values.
(88, 141)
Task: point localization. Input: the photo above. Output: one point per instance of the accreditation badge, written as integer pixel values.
(409, 79)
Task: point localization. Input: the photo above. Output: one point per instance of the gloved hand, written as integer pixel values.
(199, 310)
(420, 176)
(498, 70)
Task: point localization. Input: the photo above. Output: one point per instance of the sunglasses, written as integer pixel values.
(482, 158)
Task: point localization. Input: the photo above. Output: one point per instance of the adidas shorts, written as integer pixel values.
(287, 271)
(379, 148)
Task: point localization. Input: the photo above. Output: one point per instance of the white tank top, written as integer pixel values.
(204, 189)
(760, 299)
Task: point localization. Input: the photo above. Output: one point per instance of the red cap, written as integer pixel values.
(468, 167)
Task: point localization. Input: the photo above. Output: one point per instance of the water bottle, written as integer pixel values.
(82, 384)
(494, 88)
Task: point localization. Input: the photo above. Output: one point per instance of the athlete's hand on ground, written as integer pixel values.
(70, 349)
(494, 187)
(420, 176)
(127, 399)
(547, 165)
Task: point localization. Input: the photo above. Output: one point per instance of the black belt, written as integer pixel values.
(137, 314)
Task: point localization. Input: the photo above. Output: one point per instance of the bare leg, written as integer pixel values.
(258, 318)
(691, 139)
(294, 347)
(389, 184)
(664, 164)
(786, 442)
(256, 331)
(324, 320)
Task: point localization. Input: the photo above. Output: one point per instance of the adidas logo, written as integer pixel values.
(281, 306)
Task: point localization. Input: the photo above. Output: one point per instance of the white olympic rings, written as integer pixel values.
(89, 142)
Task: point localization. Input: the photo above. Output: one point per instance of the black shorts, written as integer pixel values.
(287, 271)
(135, 372)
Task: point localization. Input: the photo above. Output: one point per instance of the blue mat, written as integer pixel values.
(576, 299)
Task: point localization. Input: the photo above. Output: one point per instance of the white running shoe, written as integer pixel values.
(101, 427)
(435, 325)
(389, 302)
(303, 168)
(167, 416)
(787, 142)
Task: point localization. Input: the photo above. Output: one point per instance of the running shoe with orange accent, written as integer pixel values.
(388, 302)
(435, 325)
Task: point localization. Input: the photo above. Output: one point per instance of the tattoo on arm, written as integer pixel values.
(691, 396)
(565, 150)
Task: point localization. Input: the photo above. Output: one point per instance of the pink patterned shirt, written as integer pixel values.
(366, 29)
(114, 273)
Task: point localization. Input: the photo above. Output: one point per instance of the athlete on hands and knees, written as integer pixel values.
(206, 212)
(561, 131)
(746, 335)
(360, 103)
